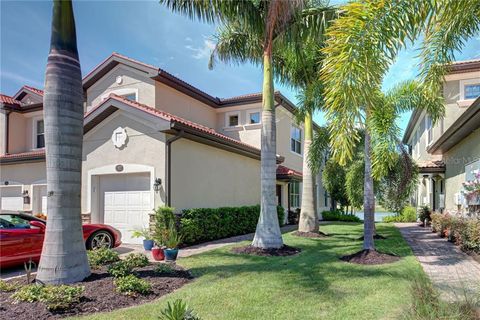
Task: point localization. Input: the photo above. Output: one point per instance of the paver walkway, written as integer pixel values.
(199, 248)
(452, 271)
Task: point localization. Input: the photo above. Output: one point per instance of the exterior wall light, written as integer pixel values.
(157, 184)
(26, 197)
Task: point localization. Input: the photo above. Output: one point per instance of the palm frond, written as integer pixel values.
(318, 149)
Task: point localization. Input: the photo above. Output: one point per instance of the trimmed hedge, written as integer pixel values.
(338, 215)
(408, 214)
(206, 224)
(464, 232)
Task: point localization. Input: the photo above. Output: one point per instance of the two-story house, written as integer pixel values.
(151, 139)
(448, 152)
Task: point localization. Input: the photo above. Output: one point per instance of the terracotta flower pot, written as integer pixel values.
(158, 254)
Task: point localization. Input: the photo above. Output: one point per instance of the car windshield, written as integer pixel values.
(10, 221)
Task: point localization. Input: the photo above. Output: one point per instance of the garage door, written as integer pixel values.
(11, 198)
(127, 211)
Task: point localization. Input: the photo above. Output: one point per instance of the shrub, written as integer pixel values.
(164, 217)
(179, 310)
(463, 231)
(338, 215)
(60, 297)
(102, 256)
(137, 260)
(165, 268)
(131, 285)
(206, 224)
(120, 269)
(29, 293)
(408, 214)
(424, 213)
(294, 216)
(6, 286)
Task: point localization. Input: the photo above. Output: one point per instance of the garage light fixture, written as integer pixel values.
(157, 184)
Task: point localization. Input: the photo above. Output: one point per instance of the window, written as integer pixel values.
(429, 130)
(232, 119)
(254, 117)
(296, 140)
(472, 91)
(417, 143)
(8, 221)
(130, 96)
(40, 134)
(295, 194)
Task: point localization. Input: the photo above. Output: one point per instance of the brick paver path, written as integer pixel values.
(452, 271)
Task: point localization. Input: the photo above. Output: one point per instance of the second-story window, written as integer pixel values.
(254, 117)
(472, 91)
(232, 119)
(296, 140)
(429, 130)
(40, 134)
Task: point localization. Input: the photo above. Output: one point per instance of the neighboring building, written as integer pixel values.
(151, 139)
(448, 153)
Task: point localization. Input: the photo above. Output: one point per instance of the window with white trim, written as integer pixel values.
(428, 124)
(469, 89)
(295, 194)
(39, 134)
(296, 140)
(232, 119)
(253, 117)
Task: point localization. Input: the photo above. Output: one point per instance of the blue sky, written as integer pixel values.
(146, 31)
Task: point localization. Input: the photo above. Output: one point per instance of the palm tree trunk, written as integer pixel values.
(308, 214)
(368, 199)
(64, 257)
(267, 234)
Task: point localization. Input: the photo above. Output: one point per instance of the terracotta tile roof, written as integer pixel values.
(9, 100)
(34, 90)
(172, 118)
(431, 164)
(23, 155)
(284, 171)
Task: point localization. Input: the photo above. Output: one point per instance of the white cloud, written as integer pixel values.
(202, 52)
(18, 78)
(188, 39)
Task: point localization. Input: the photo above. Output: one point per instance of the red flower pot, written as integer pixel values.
(158, 254)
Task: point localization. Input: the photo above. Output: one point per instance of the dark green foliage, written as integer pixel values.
(120, 269)
(294, 216)
(101, 257)
(131, 285)
(179, 310)
(333, 178)
(338, 215)
(408, 214)
(164, 218)
(54, 297)
(424, 213)
(354, 183)
(165, 268)
(137, 260)
(206, 224)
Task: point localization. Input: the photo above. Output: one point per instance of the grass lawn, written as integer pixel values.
(312, 285)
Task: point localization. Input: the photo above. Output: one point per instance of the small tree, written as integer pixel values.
(354, 183)
(333, 179)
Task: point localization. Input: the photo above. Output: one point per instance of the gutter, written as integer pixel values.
(168, 166)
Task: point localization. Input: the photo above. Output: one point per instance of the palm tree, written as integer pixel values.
(64, 257)
(362, 44)
(269, 21)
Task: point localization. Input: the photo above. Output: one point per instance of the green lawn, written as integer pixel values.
(312, 285)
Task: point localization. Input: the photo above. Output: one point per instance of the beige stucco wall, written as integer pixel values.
(455, 160)
(208, 177)
(132, 81)
(17, 138)
(3, 132)
(177, 103)
(24, 173)
(145, 146)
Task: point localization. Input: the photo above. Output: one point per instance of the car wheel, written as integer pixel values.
(100, 239)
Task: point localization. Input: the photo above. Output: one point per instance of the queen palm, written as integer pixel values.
(64, 257)
(363, 43)
(266, 22)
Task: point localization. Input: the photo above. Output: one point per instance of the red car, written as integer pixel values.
(21, 238)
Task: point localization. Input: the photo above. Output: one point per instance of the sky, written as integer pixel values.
(147, 31)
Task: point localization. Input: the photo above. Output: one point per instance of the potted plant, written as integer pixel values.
(147, 237)
(171, 242)
(158, 252)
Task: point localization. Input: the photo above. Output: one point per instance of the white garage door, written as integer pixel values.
(127, 211)
(11, 198)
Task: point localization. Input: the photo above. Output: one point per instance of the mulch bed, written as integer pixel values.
(310, 234)
(281, 252)
(370, 257)
(99, 295)
(376, 237)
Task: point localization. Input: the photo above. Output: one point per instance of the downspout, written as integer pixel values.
(168, 166)
(7, 129)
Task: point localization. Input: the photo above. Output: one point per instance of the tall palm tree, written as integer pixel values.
(272, 20)
(363, 43)
(64, 257)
